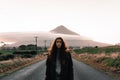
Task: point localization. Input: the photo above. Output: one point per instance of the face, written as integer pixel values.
(58, 43)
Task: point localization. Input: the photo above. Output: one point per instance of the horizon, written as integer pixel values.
(98, 20)
(7, 41)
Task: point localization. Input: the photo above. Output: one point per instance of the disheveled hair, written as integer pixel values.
(53, 46)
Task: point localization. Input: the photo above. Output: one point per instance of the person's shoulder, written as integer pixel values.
(67, 50)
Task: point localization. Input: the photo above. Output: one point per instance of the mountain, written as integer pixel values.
(45, 38)
(63, 30)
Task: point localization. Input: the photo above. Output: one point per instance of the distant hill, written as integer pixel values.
(73, 39)
(63, 30)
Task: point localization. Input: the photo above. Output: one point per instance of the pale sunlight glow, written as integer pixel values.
(6, 43)
(97, 19)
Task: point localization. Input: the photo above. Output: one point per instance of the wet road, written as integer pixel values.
(37, 72)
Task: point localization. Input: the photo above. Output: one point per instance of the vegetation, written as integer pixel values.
(94, 50)
(23, 51)
(88, 50)
(12, 59)
(25, 54)
(106, 59)
(9, 66)
(110, 55)
(6, 57)
(112, 62)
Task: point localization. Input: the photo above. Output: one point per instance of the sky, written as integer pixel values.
(97, 19)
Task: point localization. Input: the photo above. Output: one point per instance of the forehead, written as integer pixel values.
(58, 40)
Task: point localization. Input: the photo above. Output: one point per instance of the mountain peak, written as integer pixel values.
(63, 30)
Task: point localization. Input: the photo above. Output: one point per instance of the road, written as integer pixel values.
(37, 72)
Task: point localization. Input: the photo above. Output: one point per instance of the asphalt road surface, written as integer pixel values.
(37, 72)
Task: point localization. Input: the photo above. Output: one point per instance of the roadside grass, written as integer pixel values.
(95, 50)
(9, 66)
(104, 58)
(6, 51)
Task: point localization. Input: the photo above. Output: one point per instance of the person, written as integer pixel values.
(59, 65)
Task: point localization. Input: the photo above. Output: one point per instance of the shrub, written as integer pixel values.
(101, 59)
(116, 62)
(109, 61)
(10, 56)
(0, 53)
(112, 62)
(26, 56)
(24, 52)
(88, 50)
(6, 57)
(93, 50)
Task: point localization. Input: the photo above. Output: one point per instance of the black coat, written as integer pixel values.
(66, 67)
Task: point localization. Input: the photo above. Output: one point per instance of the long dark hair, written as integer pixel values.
(53, 48)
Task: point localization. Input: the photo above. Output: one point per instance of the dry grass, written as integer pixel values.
(95, 60)
(17, 63)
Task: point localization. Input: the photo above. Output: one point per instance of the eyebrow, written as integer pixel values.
(58, 41)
